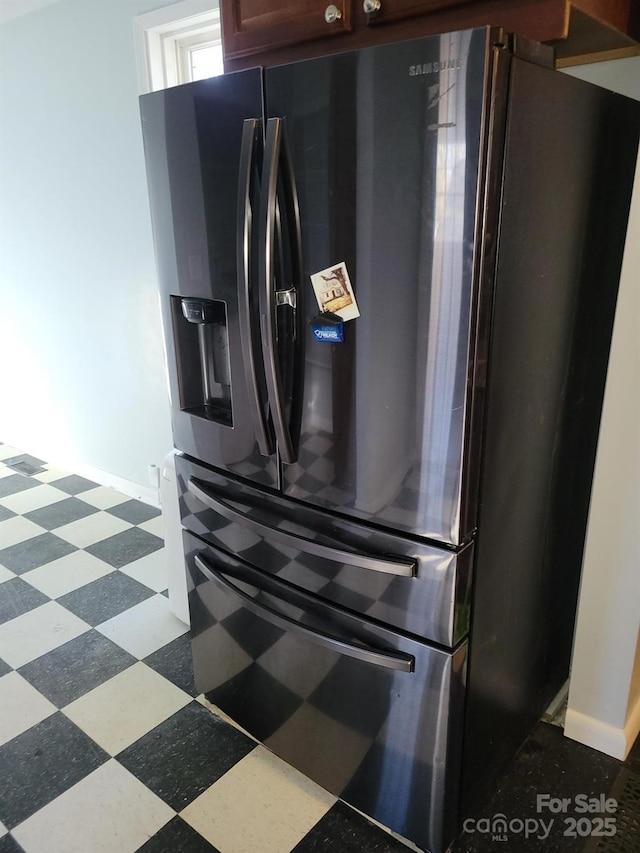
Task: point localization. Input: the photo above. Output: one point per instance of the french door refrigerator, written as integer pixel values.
(384, 515)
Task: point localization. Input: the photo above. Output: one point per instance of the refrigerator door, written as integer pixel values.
(407, 585)
(385, 145)
(372, 716)
(203, 147)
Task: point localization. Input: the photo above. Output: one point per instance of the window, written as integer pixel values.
(177, 44)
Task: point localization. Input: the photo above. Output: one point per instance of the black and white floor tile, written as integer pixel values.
(105, 744)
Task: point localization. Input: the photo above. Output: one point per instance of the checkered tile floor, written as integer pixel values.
(105, 746)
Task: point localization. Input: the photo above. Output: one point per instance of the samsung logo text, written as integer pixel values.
(434, 67)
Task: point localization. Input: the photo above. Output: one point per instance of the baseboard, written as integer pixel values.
(602, 736)
(555, 706)
(148, 494)
(632, 724)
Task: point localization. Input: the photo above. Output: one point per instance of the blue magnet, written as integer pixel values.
(328, 327)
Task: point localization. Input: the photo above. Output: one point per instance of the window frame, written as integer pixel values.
(164, 36)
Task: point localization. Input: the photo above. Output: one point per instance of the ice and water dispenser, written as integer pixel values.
(201, 335)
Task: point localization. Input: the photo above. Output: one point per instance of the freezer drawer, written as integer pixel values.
(414, 587)
(371, 715)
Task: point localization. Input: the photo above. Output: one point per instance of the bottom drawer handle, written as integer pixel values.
(389, 660)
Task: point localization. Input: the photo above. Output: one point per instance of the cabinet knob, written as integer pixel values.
(371, 6)
(332, 14)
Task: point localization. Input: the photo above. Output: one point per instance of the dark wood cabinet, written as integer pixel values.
(253, 26)
(600, 29)
(271, 32)
(385, 11)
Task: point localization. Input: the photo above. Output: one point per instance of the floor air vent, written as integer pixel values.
(626, 791)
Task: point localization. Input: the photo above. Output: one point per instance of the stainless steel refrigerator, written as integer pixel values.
(384, 515)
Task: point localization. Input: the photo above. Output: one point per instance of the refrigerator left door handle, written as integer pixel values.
(268, 296)
(243, 241)
(392, 566)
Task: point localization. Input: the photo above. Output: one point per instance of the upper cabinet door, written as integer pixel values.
(381, 11)
(252, 26)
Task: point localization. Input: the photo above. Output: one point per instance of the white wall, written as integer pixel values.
(600, 712)
(82, 379)
(15, 8)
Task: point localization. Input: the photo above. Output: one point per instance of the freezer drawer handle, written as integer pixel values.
(404, 568)
(243, 243)
(389, 660)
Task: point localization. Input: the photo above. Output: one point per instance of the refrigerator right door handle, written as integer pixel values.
(402, 568)
(268, 215)
(243, 243)
(388, 660)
